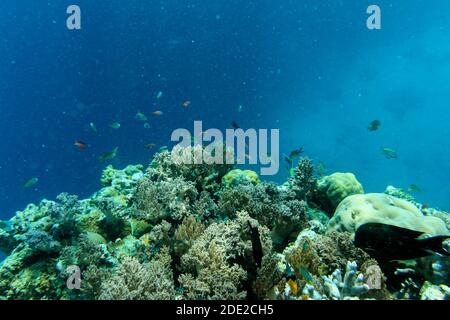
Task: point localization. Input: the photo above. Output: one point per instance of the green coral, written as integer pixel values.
(332, 189)
(237, 176)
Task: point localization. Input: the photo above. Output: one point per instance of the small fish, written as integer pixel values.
(389, 153)
(374, 125)
(93, 127)
(306, 275)
(296, 153)
(186, 104)
(293, 286)
(140, 116)
(80, 144)
(163, 148)
(240, 108)
(108, 155)
(235, 125)
(147, 125)
(31, 183)
(149, 146)
(159, 95)
(387, 242)
(414, 188)
(157, 113)
(115, 125)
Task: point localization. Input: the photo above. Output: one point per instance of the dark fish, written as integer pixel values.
(296, 153)
(235, 125)
(31, 183)
(149, 146)
(108, 155)
(389, 153)
(386, 242)
(288, 160)
(256, 244)
(374, 125)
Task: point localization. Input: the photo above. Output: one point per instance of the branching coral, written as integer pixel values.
(272, 206)
(165, 199)
(185, 235)
(215, 265)
(204, 176)
(336, 287)
(136, 281)
(304, 181)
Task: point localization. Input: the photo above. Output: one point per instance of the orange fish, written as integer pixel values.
(157, 113)
(293, 285)
(80, 145)
(186, 104)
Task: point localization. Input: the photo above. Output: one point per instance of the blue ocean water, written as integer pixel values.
(310, 68)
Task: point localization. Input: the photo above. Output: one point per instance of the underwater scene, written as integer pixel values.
(224, 150)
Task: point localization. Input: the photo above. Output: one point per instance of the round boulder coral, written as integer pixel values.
(334, 188)
(357, 210)
(236, 177)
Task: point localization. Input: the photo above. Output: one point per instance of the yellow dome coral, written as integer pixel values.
(237, 176)
(357, 210)
(334, 188)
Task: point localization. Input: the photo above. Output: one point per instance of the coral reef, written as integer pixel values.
(332, 189)
(206, 231)
(356, 210)
(336, 287)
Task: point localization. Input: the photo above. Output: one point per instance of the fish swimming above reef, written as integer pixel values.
(140, 116)
(374, 125)
(108, 155)
(93, 127)
(387, 242)
(157, 113)
(235, 125)
(115, 125)
(31, 183)
(149, 146)
(295, 153)
(80, 145)
(389, 153)
(414, 188)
